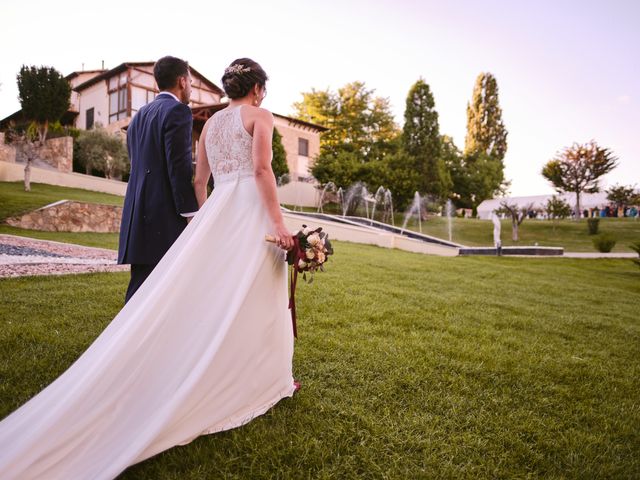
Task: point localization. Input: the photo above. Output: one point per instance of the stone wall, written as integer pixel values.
(56, 152)
(70, 216)
(7, 152)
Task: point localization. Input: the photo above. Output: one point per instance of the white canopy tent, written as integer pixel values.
(587, 201)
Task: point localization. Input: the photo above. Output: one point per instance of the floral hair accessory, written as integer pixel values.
(236, 68)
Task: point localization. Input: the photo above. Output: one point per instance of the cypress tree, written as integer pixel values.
(421, 140)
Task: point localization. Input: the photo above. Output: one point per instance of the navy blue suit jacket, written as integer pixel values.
(159, 189)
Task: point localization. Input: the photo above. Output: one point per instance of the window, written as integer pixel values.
(303, 147)
(89, 118)
(118, 101)
(140, 97)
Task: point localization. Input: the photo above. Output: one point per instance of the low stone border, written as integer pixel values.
(71, 216)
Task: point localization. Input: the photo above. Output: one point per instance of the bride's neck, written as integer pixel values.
(236, 102)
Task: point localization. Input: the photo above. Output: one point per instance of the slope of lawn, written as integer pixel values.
(412, 366)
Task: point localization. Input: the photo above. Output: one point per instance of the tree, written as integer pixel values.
(279, 162)
(396, 173)
(621, 195)
(342, 168)
(578, 168)
(358, 122)
(556, 208)
(485, 143)
(517, 215)
(421, 140)
(476, 177)
(486, 132)
(44, 96)
(99, 150)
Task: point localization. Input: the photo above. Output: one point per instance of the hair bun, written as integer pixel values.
(241, 76)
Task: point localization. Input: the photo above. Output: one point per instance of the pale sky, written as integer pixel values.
(568, 70)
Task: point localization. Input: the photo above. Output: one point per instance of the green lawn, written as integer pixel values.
(570, 234)
(412, 367)
(14, 200)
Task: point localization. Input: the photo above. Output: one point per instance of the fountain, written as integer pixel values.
(329, 187)
(415, 207)
(449, 211)
(496, 233)
(383, 196)
(356, 193)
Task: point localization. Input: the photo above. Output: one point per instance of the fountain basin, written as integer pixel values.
(523, 250)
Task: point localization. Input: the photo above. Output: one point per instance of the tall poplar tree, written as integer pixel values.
(421, 140)
(486, 132)
(485, 143)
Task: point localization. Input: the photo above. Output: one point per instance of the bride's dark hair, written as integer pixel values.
(241, 76)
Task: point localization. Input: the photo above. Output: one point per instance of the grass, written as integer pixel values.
(15, 201)
(571, 235)
(412, 366)
(89, 239)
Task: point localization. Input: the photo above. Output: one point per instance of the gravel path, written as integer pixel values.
(20, 256)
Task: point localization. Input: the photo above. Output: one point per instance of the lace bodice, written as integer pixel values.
(228, 146)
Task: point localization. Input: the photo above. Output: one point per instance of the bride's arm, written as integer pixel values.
(203, 171)
(265, 179)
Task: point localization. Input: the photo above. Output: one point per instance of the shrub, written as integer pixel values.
(592, 223)
(604, 243)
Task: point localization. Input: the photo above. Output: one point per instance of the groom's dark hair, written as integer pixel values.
(167, 70)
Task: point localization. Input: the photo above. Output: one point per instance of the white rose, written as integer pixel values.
(310, 254)
(302, 264)
(313, 239)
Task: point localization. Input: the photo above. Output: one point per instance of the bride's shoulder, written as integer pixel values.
(262, 114)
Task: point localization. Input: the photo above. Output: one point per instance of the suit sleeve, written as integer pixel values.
(177, 147)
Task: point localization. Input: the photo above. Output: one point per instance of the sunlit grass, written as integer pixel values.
(412, 366)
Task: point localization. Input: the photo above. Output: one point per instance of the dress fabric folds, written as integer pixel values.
(204, 345)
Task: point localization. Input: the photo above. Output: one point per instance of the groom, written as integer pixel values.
(160, 197)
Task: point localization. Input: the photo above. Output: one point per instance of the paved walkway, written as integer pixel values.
(600, 255)
(21, 256)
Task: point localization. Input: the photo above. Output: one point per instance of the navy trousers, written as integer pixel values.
(139, 274)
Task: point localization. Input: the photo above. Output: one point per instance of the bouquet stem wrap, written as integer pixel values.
(298, 254)
(310, 251)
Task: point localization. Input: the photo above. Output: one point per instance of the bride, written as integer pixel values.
(204, 345)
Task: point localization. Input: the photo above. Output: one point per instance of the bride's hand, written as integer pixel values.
(283, 236)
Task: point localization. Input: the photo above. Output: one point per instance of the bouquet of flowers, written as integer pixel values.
(311, 249)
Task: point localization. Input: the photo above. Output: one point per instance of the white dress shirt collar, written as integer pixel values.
(164, 92)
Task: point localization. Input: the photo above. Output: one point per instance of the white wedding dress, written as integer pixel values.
(204, 345)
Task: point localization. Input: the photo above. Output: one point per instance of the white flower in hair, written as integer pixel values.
(236, 68)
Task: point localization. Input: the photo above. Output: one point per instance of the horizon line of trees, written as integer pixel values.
(363, 144)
